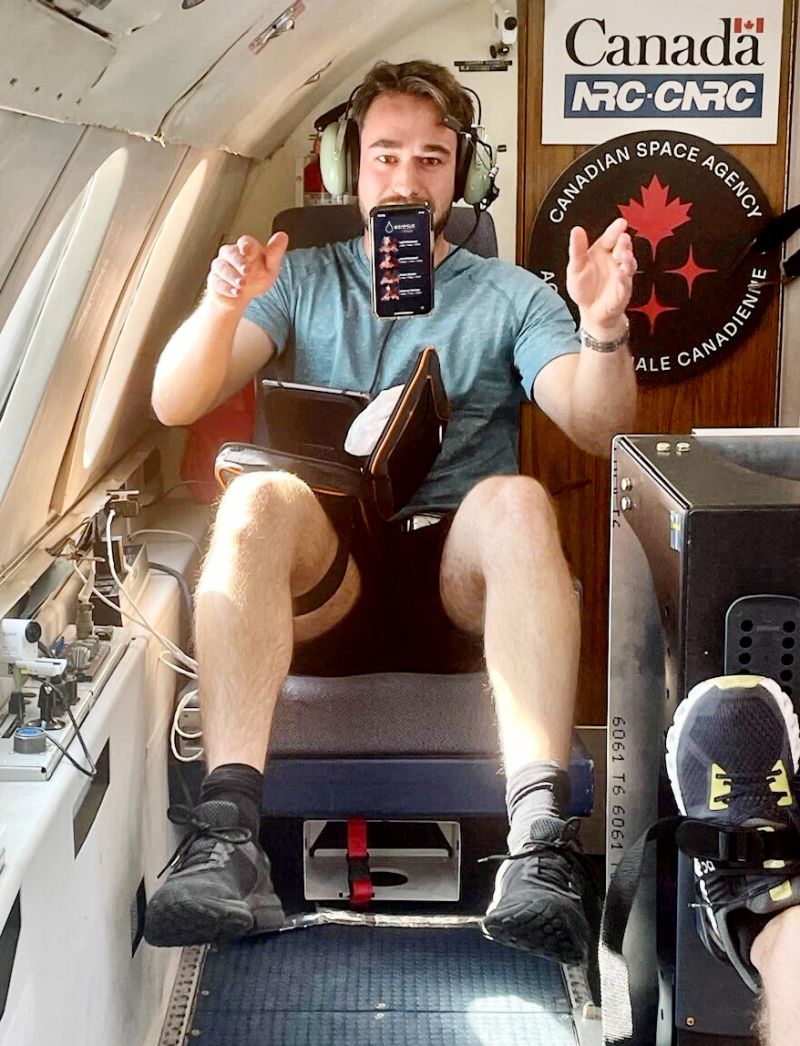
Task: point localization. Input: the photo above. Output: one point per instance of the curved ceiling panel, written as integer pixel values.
(189, 74)
(249, 104)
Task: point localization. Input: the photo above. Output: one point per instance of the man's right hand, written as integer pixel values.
(245, 269)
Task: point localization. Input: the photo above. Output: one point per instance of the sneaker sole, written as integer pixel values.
(535, 928)
(186, 923)
(684, 709)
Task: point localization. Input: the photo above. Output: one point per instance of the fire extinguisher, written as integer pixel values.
(313, 189)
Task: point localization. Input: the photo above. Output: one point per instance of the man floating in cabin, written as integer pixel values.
(489, 575)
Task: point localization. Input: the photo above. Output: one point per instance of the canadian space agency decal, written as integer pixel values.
(692, 211)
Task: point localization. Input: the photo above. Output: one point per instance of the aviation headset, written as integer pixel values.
(340, 153)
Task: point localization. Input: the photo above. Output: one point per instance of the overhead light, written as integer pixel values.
(282, 24)
(190, 3)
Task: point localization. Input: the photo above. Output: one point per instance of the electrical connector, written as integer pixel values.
(124, 502)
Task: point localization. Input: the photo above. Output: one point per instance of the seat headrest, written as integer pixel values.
(316, 226)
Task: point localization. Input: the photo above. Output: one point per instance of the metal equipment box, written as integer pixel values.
(698, 523)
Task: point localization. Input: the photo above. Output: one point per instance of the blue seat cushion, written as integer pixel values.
(394, 745)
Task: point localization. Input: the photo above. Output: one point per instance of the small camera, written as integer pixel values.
(505, 27)
(505, 24)
(509, 31)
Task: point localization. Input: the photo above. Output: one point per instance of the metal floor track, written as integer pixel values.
(375, 986)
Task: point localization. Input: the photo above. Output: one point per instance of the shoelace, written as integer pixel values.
(552, 853)
(185, 817)
(752, 786)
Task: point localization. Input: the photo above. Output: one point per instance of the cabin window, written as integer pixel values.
(156, 271)
(41, 318)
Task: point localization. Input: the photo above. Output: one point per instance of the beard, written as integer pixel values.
(439, 220)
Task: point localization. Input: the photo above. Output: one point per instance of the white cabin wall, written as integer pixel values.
(34, 152)
(83, 389)
(465, 33)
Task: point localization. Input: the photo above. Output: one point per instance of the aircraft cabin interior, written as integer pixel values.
(142, 140)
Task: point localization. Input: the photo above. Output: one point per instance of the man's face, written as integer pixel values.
(407, 156)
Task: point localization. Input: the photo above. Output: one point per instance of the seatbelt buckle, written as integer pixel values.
(741, 846)
(359, 879)
(723, 844)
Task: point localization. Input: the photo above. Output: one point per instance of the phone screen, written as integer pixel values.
(402, 260)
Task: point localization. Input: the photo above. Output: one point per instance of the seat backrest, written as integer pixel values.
(316, 226)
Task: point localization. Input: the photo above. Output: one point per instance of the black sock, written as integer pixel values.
(539, 789)
(240, 784)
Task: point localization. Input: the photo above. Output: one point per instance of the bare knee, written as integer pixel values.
(510, 516)
(276, 518)
(503, 526)
(257, 502)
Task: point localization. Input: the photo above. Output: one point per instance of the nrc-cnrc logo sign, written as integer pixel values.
(660, 95)
(638, 90)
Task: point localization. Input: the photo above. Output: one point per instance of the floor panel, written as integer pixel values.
(362, 985)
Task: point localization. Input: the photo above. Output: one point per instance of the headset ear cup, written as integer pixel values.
(333, 159)
(463, 160)
(478, 181)
(352, 140)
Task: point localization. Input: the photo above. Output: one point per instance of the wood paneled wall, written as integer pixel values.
(740, 391)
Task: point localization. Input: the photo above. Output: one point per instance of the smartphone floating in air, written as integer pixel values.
(402, 260)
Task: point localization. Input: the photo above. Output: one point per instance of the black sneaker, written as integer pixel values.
(219, 887)
(732, 754)
(545, 898)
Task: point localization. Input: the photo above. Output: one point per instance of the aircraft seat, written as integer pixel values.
(394, 745)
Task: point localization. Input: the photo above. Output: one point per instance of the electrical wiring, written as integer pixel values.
(162, 657)
(187, 666)
(172, 647)
(67, 756)
(191, 735)
(177, 732)
(174, 533)
(138, 619)
(92, 772)
(183, 483)
(186, 595)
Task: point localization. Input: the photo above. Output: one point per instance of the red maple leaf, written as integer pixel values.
(654, 219)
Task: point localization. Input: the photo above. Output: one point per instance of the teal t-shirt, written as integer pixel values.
(494, 326)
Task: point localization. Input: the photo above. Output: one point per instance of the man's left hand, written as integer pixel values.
(600, 278)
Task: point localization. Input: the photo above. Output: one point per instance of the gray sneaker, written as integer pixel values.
(219, 887)
(545, 899)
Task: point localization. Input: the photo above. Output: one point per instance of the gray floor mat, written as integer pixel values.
(332, 985)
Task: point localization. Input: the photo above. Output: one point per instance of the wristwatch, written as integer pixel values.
(605, 346)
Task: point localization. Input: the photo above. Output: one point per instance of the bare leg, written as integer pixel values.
(504, 573)
(776, 956)
(271, 542)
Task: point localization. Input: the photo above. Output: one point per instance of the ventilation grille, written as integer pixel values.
(761, 637)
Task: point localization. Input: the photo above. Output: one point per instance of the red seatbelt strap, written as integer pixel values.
(358, 877)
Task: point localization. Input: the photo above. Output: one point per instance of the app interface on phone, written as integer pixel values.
(401, 251)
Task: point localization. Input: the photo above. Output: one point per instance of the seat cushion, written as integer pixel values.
(386, 714)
